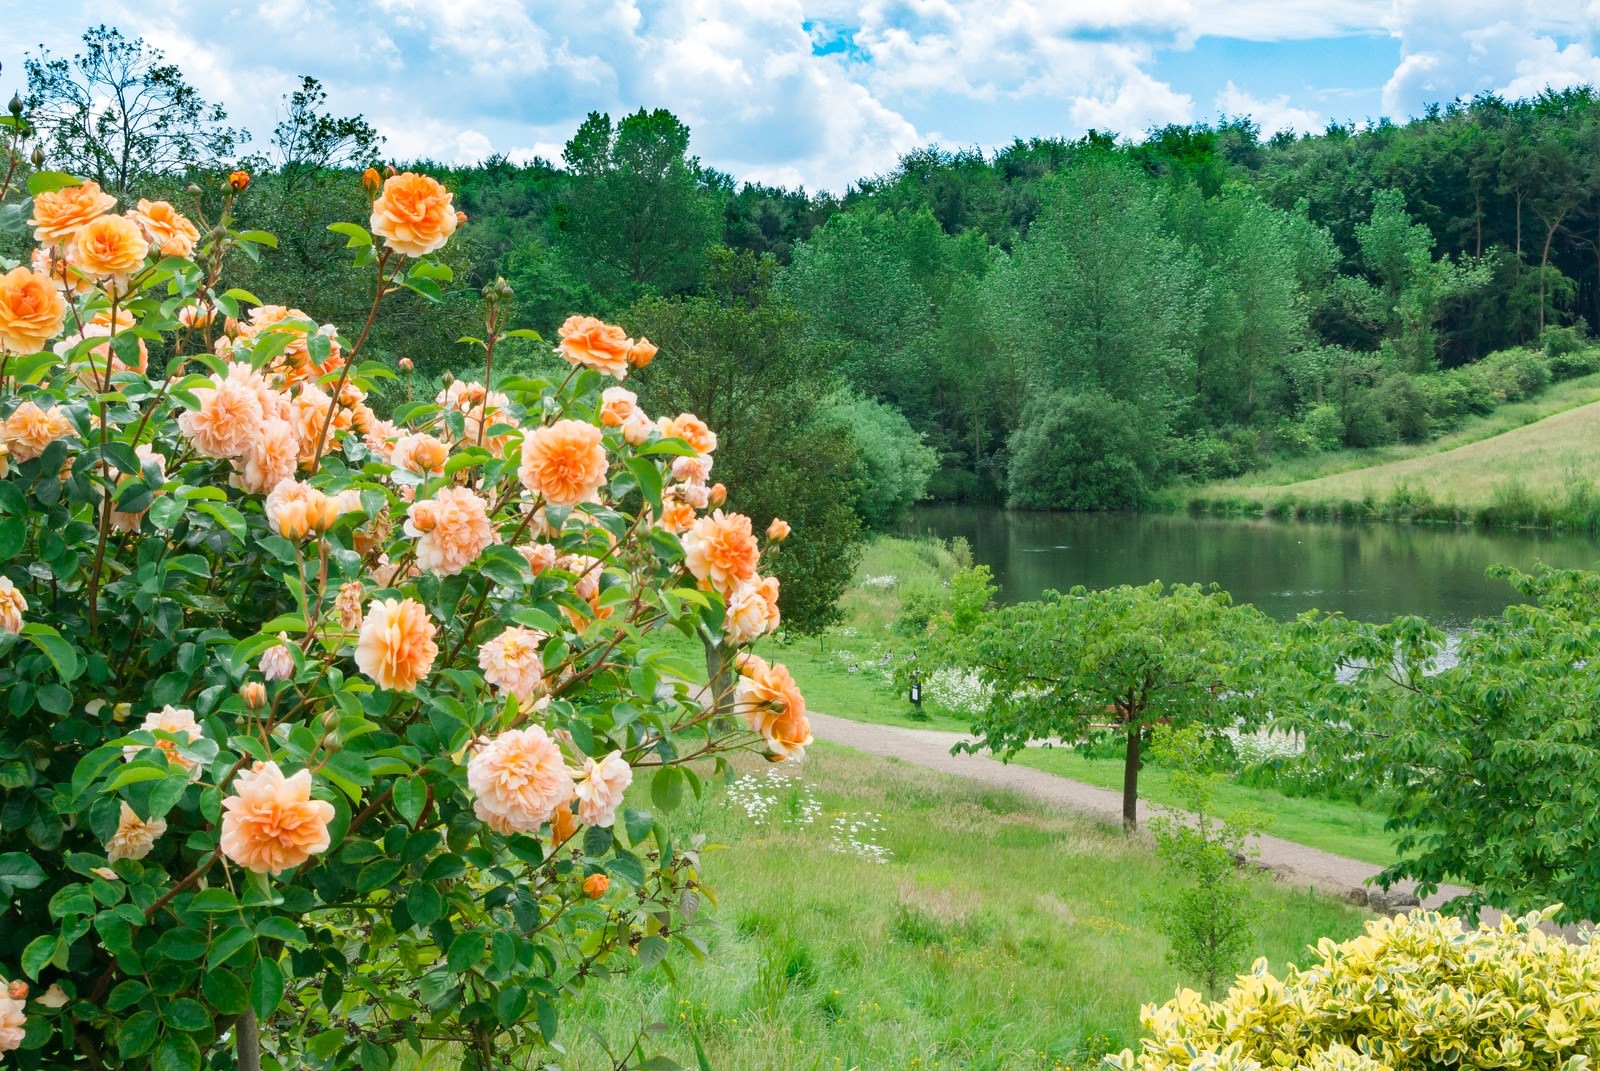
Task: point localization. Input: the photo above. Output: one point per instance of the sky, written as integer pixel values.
(819, 93)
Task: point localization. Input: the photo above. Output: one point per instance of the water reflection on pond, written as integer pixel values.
(1369, 571)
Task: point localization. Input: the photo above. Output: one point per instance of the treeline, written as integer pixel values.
(1058, 323)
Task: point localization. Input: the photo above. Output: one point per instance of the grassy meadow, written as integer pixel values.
(874, 914)
(1528, 463)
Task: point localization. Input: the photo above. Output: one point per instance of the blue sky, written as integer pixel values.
(821, 92)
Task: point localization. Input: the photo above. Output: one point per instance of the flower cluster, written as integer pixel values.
(362, 690)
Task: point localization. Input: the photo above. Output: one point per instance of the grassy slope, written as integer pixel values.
(998, 935)
(823, 671)
(1544, 444)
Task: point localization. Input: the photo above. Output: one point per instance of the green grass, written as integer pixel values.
(999, 934)
(1557, 399)
(1330, 825)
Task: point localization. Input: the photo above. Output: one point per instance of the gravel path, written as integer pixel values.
(1334, 874)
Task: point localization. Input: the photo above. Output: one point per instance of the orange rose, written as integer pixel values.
(29, 429)
(773, 706)
(778, 530)
(31, 310)
(166, 228)
(271, 823)
(109, 245)
(396, 647)
(565, 462)
(413, 214)
(59, 214)
(721, 551)
(594, 344)
(692, 430)
(643, 352)
(371, 181)
(616, 406)
(238, 180)
(595, 886)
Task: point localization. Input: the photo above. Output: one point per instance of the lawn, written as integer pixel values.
(1545, 432)
(957, 927)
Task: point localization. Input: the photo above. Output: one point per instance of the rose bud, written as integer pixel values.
(595, 886)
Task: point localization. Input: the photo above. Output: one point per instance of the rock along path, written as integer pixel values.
(930, 748)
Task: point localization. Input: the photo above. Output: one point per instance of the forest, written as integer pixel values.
(1056, 324)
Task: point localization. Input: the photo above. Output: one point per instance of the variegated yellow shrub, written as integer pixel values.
(1414, 993)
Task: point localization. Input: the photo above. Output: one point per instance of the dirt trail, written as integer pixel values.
(930, 748)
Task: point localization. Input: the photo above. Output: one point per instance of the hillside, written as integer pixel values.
(1542, 471)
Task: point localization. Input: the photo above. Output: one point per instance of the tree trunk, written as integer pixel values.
(1519, 224)
(1544, 261)
(1130, 780)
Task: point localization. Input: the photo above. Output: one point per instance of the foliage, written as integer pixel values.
(1207, 918)
(894, 464)
(308, 139)
(1081, 451)
(317, 725)
(1113, 662)
(1493, 759)
(1415, 993)
(118, 112)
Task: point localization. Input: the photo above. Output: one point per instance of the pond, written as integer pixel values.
(1370, 572)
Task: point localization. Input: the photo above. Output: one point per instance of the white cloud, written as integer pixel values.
(1270, 115)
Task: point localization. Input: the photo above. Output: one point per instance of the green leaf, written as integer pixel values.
(137, 1034)
(18, 871)
(213, 901)
(652, 950)
(266, 987)
(225, 992)
(62, 654)
(358, 235)
(178, 1052)
(410, 796)
(51, 181)
(666, 788)
(465, 951)
(40, 951)
(649, 476)
(266, 238)
(186, 1013)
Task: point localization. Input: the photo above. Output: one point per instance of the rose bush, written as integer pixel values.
(317, 724)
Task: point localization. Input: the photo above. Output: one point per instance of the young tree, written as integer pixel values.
(1087, 664)
(119, 113)
(1208, 915)
(1495, 758)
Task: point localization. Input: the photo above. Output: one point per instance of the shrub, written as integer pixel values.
(1415, 993)
(1324, 427)
(1562, 341)
(1080, 451)
(317, 725)
(893, 464)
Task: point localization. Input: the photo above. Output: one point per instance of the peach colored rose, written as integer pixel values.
(396, 647)
(565, 462)
(32, 311)
(59, 214)
(595, 886)
(174, 721)
(29, 429)
(592, 343)
(718, 495)
(54, 266)
(292, 509)
(230, 416)
(165, 227)
(587, 572)
(617, 404)
(387, 574)
(277, 661)
(413, 214)
(600, 789)
(254, 694)
(96, 357)
(13, 1024)
(12, 606)
(420, 453)
(642, 352)
(451, 529)
(563, 825)
(54, 997)
(519, 780)
(269, 460)
(677, 515)
(721, 551)
(512, 664)
(752, 611)
(697, 495)
(195, 317)
(691, 469)
(539, 556)
(692, 430)
(108, 246)
(310, 407)
(134, 836)
(271, 823)
(347, 604)
(778, 530)
(773, 706)
(637, 428)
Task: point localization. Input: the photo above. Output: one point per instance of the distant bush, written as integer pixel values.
(1081, 451)
(1324, 427)
(894, 464)
(1562, 341)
